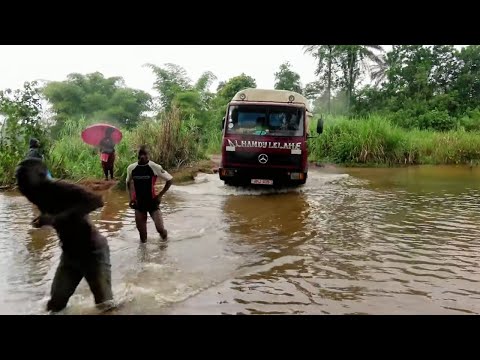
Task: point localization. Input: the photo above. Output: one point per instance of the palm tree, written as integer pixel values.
(378, 71)
(325, 54)
(351, 60)
(354, 60)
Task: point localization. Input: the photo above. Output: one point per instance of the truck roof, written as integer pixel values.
(280, 96)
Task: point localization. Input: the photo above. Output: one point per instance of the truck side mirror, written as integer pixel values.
(320, 126)
(223, 122)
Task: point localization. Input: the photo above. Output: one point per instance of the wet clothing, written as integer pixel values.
(94, 266)
(85, 251)
(107, 156)
(144, 178)
(76, 232)
(108, 161)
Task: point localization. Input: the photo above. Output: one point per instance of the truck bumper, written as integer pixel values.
(254, 176)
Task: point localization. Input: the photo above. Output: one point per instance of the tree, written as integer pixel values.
(226, 92)
(20, 119)
(170, 80)
(314, 89)
(410, 72)
(234, 85)
(468, 82)
(21, 110)
(286, 79)
(327, 69)
(176, 90)
(94, 96)
(446, 66)
(354, 61)
(202, 86)
(378, 71)
(221, 84)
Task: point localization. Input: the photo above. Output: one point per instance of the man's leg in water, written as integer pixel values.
(157, 219)
(66, 280)
(141, 221)
(99, 277)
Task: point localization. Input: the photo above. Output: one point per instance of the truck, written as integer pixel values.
(264, 138)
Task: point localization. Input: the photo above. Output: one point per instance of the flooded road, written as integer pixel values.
(351, 241)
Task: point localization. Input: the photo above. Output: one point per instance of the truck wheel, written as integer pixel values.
(304, 179)
(230, 182)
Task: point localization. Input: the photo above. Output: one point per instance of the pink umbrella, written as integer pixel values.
(93, 134)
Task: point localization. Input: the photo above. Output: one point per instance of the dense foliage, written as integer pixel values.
(412, 104)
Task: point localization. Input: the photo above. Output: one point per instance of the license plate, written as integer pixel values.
(262, 182)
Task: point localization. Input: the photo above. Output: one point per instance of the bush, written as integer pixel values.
(438, 120)
(171, 141)
(470, 121)
(375, 140)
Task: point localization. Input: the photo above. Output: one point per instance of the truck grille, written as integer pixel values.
(251, 158)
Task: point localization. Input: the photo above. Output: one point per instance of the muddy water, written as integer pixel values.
(361, 241)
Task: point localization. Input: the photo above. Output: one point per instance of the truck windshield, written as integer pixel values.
(265, 120)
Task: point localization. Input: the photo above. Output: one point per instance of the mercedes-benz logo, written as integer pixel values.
(262, 158)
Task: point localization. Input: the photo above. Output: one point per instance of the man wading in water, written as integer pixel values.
(141, 178)
(85, 252)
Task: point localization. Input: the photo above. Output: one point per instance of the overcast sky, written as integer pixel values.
(20, 63)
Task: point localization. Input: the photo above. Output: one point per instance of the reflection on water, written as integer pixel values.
(358, 241)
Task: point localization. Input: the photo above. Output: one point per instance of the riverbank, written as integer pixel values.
(183, 174)
(375, 141)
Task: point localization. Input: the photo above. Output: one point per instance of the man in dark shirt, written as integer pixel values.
(85, 252)
(141, 178)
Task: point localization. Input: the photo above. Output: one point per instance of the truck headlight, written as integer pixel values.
(297, 176)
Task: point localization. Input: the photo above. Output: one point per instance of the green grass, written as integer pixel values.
(213, 141)
(175, 143)
(375, 140)
(171, 142)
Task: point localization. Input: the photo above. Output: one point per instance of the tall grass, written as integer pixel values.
(8, 163)
(213, 139)
(172, 142)
(69, 157)
(375, 140)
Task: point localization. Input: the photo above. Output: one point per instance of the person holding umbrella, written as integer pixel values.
(107, 153)
(103, 137)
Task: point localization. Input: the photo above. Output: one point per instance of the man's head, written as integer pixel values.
(34, 143)
(143, 157)
(31, 173)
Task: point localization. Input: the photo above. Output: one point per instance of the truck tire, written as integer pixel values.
(230, 182)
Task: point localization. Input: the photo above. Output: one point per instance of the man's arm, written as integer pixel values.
(165, 188)
(86, 203)
(81, 202)
(163, 174)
